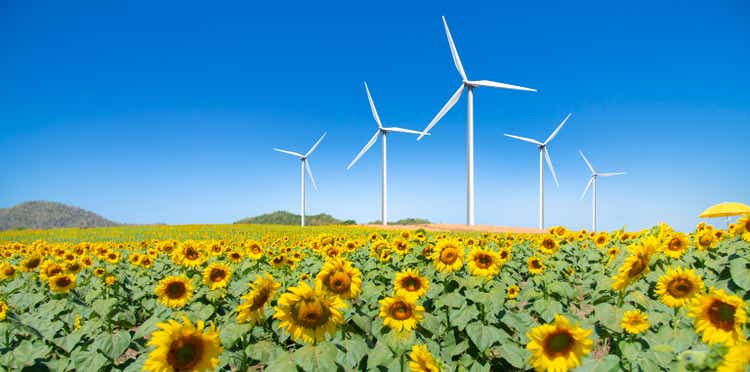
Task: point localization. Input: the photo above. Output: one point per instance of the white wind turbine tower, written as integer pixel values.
(381, 132)
(469, 85)
(305, 167)
(543, 154)
(592, 182)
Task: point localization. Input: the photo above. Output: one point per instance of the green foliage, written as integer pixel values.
(48, 215)
(287, 218)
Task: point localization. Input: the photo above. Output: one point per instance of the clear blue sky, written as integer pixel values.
(167, 112)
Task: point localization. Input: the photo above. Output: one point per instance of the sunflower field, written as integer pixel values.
(231, 297)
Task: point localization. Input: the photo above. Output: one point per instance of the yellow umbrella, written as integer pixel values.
(725, 210)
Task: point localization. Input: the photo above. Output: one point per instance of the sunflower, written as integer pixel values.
(736, 359)
(49, 269)
(678, 286)
(401, 246)
(705, 239)
(110, 280)
(548, 245)
(62, 283)
(558, 346)
(339, 277)
(401, 313)
(420, 360)
(601, 239)
(448, 256)
(184, 347)
(174, 291)
(483, 262)
(189, 254)
(309, 314)
(719, 317)
(253, 250)
(504, 254)
(536, 266)
(262, 291)
(612, 253)
(99, 271)
(217, 275)
(743, 225)
(7, 271)
(234, 256)
(409, 283)
(635, 266)
(3, 310)
(634, 322)
(676, 245)
(512, 292)
(113, 257)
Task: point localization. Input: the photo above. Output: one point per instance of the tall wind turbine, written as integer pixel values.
(592, 182)
(543, 154)
(305, 167)
(469, 85)
(381, 132)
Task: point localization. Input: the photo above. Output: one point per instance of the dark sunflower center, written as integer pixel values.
(260, 299)
(176, 290)
(600, 240)
(504, 255)
(217, 275)
(448, 256)
(400, 310)
(483, 261)
(559, 343)
(675, 244)
(637, 268)
(680, 287)
(191, 253)
(112, 256)
(63, 281)
(721, 315)
(548, 244)
(235, 256)
(339, 282)
(705, 239)
(9, 271)
(52, 271)
(185, 353)
(411, 284)
(311, 313)
(536, 264)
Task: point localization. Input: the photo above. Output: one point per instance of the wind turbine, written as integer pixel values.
(469, 85)
(543, 154)
(305, 167)
(592, 181)
(381, 132)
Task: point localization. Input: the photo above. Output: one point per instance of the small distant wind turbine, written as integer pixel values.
(592, 182)
(382, 133)
(543, 154)
(469, 85)
(305, 167)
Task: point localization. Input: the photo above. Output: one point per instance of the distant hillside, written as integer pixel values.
(47, 215)
(405, 221)
(286, 218)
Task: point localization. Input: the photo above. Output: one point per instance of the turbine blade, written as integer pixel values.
(309, 173)
(451, 102)
(372, 107)
(588, 185)
(611, 174)
(315, 145)
(364, 149)
(454, 52)
(290, 153)
(551, 136)
(494, 84)
(529, 140)
(402, 130)
(551, 168)
(587, 161)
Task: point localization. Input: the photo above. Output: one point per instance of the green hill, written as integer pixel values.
(48, 215)
(286, 218)
(405, 221)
